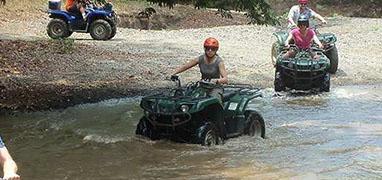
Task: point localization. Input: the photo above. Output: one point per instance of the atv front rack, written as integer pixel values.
(168, 119)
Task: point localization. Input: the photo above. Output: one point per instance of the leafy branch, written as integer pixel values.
(258, 11)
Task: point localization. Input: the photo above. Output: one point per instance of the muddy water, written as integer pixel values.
(328, 136)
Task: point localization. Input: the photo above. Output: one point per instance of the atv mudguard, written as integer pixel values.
(281, 37)
(328, 38)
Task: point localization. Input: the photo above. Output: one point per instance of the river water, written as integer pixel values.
(335, 135)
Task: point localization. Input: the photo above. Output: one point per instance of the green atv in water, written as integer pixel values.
(328, 40)
(188, 114)
(302, 72)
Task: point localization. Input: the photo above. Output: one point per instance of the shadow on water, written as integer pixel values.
(312, 136)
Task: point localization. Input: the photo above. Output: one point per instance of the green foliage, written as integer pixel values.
(258, 11)
(349, 2)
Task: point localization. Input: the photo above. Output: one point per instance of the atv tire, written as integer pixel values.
(279, 84)
(113, 31)
(332, 55)
(325, 87)
(58, 28)
(274, 53)
(68, 34)
(145, 128)
(255, 124)
(208, 135)
(100, 29)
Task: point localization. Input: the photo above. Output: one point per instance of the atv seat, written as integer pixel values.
(75, 14)
(227, 95)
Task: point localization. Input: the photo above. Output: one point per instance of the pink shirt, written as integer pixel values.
(303, 42)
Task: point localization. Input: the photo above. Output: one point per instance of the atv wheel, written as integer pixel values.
(113, 31)
(332, 54)
(279, 84)
(58, 28)
(274, 53)
(100, 30)
(145, 128)
(255, 124)
(68, 34)
(326, 83)
(208, 135)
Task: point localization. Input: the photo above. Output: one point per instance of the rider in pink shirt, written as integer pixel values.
(303, 41)
(303, 38)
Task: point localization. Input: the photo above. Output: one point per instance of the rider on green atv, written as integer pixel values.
(303, 37)
(301, 9)
(211, 67)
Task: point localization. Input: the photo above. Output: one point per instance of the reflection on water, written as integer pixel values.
(331, 135)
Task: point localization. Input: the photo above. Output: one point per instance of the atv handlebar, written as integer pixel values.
(176, 79)
(293, 46)
(207, 82)
(290, 46)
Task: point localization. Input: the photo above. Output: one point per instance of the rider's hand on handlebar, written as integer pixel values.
(321, 46)
(174, 77)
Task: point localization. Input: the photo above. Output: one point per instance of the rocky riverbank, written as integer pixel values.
(37, 73)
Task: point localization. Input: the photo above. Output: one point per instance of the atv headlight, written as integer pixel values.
(184, 108)
(317, 66)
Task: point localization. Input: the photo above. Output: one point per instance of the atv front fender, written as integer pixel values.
(281, 37)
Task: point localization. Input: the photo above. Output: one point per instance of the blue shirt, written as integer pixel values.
(1, 143)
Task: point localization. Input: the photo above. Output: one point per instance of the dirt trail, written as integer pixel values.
(140, 60)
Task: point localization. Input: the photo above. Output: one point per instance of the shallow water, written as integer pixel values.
(332, 135)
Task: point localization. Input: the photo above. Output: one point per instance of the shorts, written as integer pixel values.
(218, 93)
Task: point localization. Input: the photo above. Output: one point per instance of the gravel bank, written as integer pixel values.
(246, 50)
(140, 60)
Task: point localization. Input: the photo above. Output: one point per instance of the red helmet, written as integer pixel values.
(303, 1)
(211, 42)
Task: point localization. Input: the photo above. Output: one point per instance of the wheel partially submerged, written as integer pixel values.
(325, 87)
(278, 83)
(332, 55)
(208, 135)
(145, 128)
(255, 124)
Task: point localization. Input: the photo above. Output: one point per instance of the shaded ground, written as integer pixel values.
(50, 74)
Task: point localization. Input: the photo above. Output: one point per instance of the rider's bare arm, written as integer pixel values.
(316, 15)
(8, 164)
(186, 66)
(290, 17)
(223, 74)
(289, 38)
(317, 41)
